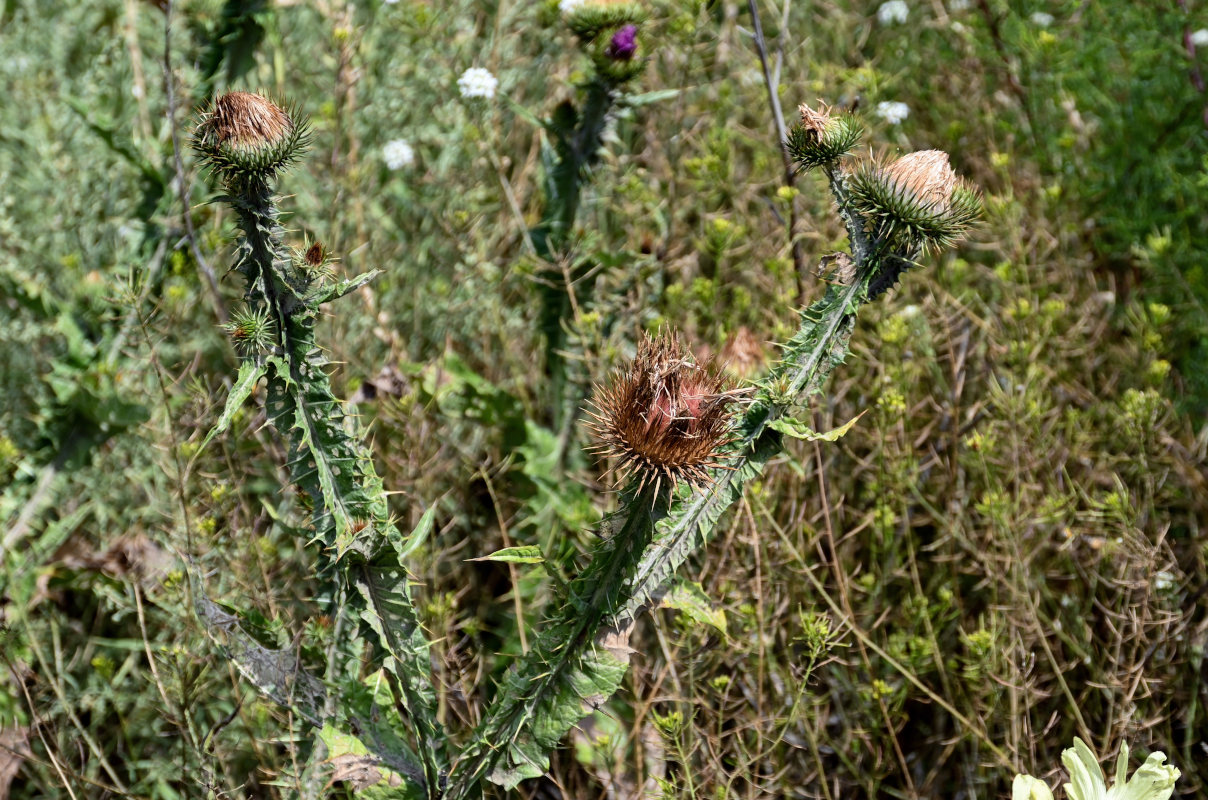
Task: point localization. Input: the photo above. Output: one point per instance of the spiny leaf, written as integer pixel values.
(791, 426)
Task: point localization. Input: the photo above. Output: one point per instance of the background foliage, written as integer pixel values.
(1005, 552)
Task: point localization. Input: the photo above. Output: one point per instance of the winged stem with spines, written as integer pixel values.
(329, 461)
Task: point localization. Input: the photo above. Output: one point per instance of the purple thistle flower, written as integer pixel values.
(624, 44)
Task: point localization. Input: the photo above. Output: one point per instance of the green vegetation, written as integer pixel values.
(1004, 553)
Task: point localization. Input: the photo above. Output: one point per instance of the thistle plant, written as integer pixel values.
(247, 141)
(609, 32)
(683, 439)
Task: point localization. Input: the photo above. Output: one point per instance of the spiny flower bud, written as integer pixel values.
(616, 56)
(314, 262)
(665, 418)
(821, 138)
(250, 331)
(915, 201)
(246, 135)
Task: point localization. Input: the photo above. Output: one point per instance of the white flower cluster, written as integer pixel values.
(1200, 38)
(477, 82)
(892, 111)
(398, 153)
(570, 6)
(1042, 19)
(893, 12)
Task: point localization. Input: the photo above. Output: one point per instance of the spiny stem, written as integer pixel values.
(593, 596)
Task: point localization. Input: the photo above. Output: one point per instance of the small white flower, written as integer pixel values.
(570, 6)
(137, 91)
(892, 12)
(958, 5)
(1041, 19)
(398, 154)
(1200, 38)
(1163, 581)
(477, 82)
(892, 111)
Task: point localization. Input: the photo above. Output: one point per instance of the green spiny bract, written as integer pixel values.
(245, 137)
(595, 17)
(821, 138)
(914, 202)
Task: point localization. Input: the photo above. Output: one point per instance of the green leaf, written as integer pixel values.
(646, 98)
(524, 554)
(690, 599)
(791, 426)
(250, 374)
(419, 535)
(348, 759)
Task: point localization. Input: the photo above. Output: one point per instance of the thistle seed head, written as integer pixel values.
(915, 201)
(927, 175)
(665, 418)
(243, 135)
(246, 120)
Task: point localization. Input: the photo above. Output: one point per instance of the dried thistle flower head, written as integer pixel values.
(926, 174)
(821, 138)
(243, 134)
(815, 122)
(243, 119)
(665, 418)
(915, 201)
(744, 355)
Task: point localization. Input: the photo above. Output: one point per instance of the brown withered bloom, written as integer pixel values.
(665, 418)
(316, 254)
(925, 174)
(245, 120)
(744, 355)
(815, 122)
